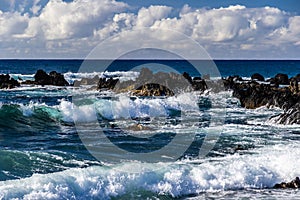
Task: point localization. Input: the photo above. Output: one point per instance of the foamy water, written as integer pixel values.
(42, 156)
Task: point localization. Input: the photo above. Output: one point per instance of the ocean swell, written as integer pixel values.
(262, 169)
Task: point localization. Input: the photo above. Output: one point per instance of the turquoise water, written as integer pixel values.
(42, 155)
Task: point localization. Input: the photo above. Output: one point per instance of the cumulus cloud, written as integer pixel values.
(12, 23)
(228, 32)
(225, 32)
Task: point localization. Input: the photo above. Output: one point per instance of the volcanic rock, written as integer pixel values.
(53, 78)
(294, 184)
(282, 79)
(257, 77)
(6, 82)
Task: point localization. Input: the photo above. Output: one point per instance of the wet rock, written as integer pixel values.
(294, 85)
(290, 116)
(257, 77)
(297, 77)
(253, 95)
(107, 83)
(282, 79)
(6, 82)
(42, 78)
(294, 184)
(153, 90)
(187, 77)
(58, 79)
(53, 78)
(158, 84)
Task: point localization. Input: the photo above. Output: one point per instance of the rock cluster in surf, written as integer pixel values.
(6, 82)
(53, 78)
(280, 91)
(270, 93)
(294, 184)
(158, 84)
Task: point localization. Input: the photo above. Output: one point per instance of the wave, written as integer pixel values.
(118, 107)
(262, 169)
(15, 164)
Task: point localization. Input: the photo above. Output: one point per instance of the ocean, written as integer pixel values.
(44, 135)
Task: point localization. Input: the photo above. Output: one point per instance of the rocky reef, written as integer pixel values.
(279, 91)
(158, 84)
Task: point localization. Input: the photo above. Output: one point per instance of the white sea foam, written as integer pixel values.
(126, 108)
(266, 167)
(123, 75)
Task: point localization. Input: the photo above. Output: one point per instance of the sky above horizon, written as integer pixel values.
(228, 29)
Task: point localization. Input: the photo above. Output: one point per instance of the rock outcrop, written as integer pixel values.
(253, 95)
(53, 78)
(294, 184)
(6, 82)
(257, 77)
(158, 84)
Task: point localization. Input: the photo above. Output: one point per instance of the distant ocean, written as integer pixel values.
(43, 157)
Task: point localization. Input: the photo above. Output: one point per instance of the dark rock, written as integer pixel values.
(187, 77)
(199, 85)
(107, 83)
(159, 84)
(6, 82)
(294, 184)
(282, 79)
(294, 85)
(53, 78)
(153, 89)
(58, 79)
(297, 77)
(197, 78)
(253, 95)
(257, 77)
(42, 78)
(290, 116)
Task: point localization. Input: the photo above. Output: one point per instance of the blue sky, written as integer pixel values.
(287, 5)
(228, 29)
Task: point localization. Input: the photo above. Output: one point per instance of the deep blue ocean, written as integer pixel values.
(63, 142)
(244, 68)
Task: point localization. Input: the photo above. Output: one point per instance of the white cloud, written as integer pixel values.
(77, 19)
(72, 29)
(35, 7)
(12, 23)
(147, 16)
